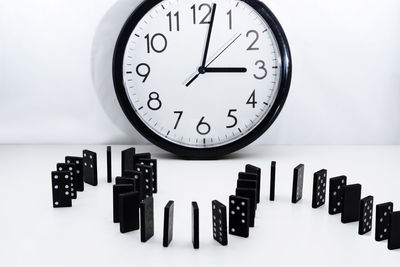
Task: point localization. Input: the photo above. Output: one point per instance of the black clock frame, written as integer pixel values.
(212, 152)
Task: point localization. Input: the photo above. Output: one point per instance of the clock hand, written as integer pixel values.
(192, 80)
(225, 70)
(214, 7)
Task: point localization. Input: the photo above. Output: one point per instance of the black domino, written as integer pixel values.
(60, 181)
(336, 185)
(272, 182)
(146, 219)
(195, 225)
(394, 233)
(319, 188)
(253, 169)
(168, 223)
(251, 194)
(298, 177)
(78, 176)
(90, 167)
(382, 221)
(153, 164)
(129, 211)
(239, 216)
(219, 222)
(147, 174)
(109, 166)
(351, 203)
(117, 190)
(125, 180)
(127, 162)
(71, 169)
(366, 213)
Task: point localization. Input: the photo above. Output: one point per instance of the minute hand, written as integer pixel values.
(225, 70)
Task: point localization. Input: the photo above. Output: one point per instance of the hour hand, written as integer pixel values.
(223, 70)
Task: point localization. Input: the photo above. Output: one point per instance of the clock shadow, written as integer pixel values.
(102, 52)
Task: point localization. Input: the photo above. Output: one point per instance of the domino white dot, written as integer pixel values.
(56, 203)
(56, 177)
(56, 186)
(243, 221)
(233, 230)
(233, 201)
(243, 203)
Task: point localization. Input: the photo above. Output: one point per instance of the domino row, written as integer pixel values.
(345, 199)
(70, 177)
(133, 192)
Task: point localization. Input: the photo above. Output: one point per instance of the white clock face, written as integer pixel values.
(197, 91)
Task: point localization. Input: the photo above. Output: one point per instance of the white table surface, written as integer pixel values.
(32, 233)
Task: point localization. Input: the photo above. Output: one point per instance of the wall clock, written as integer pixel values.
(202, 79)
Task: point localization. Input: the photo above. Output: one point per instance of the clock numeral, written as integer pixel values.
(157, 43)
(203, 127)
(229, 13)
(261, 67)
(180, 113)
(145, 74)
(230, 115)
(170, 19)
(252, 99)
(255, 33)
(206, 19)
(154, 102)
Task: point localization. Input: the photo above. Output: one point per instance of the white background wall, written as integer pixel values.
(55, 67)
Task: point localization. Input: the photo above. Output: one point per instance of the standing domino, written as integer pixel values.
(109, 166)
(195, 226)
(272, 182)
(336, 186)
(319, 189)
(168, 223)
(239, 216)
(394, 235)
(298, 177)
(351, 203)
(146, 219)
(382, 224)
(366, 212)
(60, 181)
(127, 162)
(219, 222)
(90, 167)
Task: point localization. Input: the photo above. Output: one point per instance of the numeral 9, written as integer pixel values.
(143, 70)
